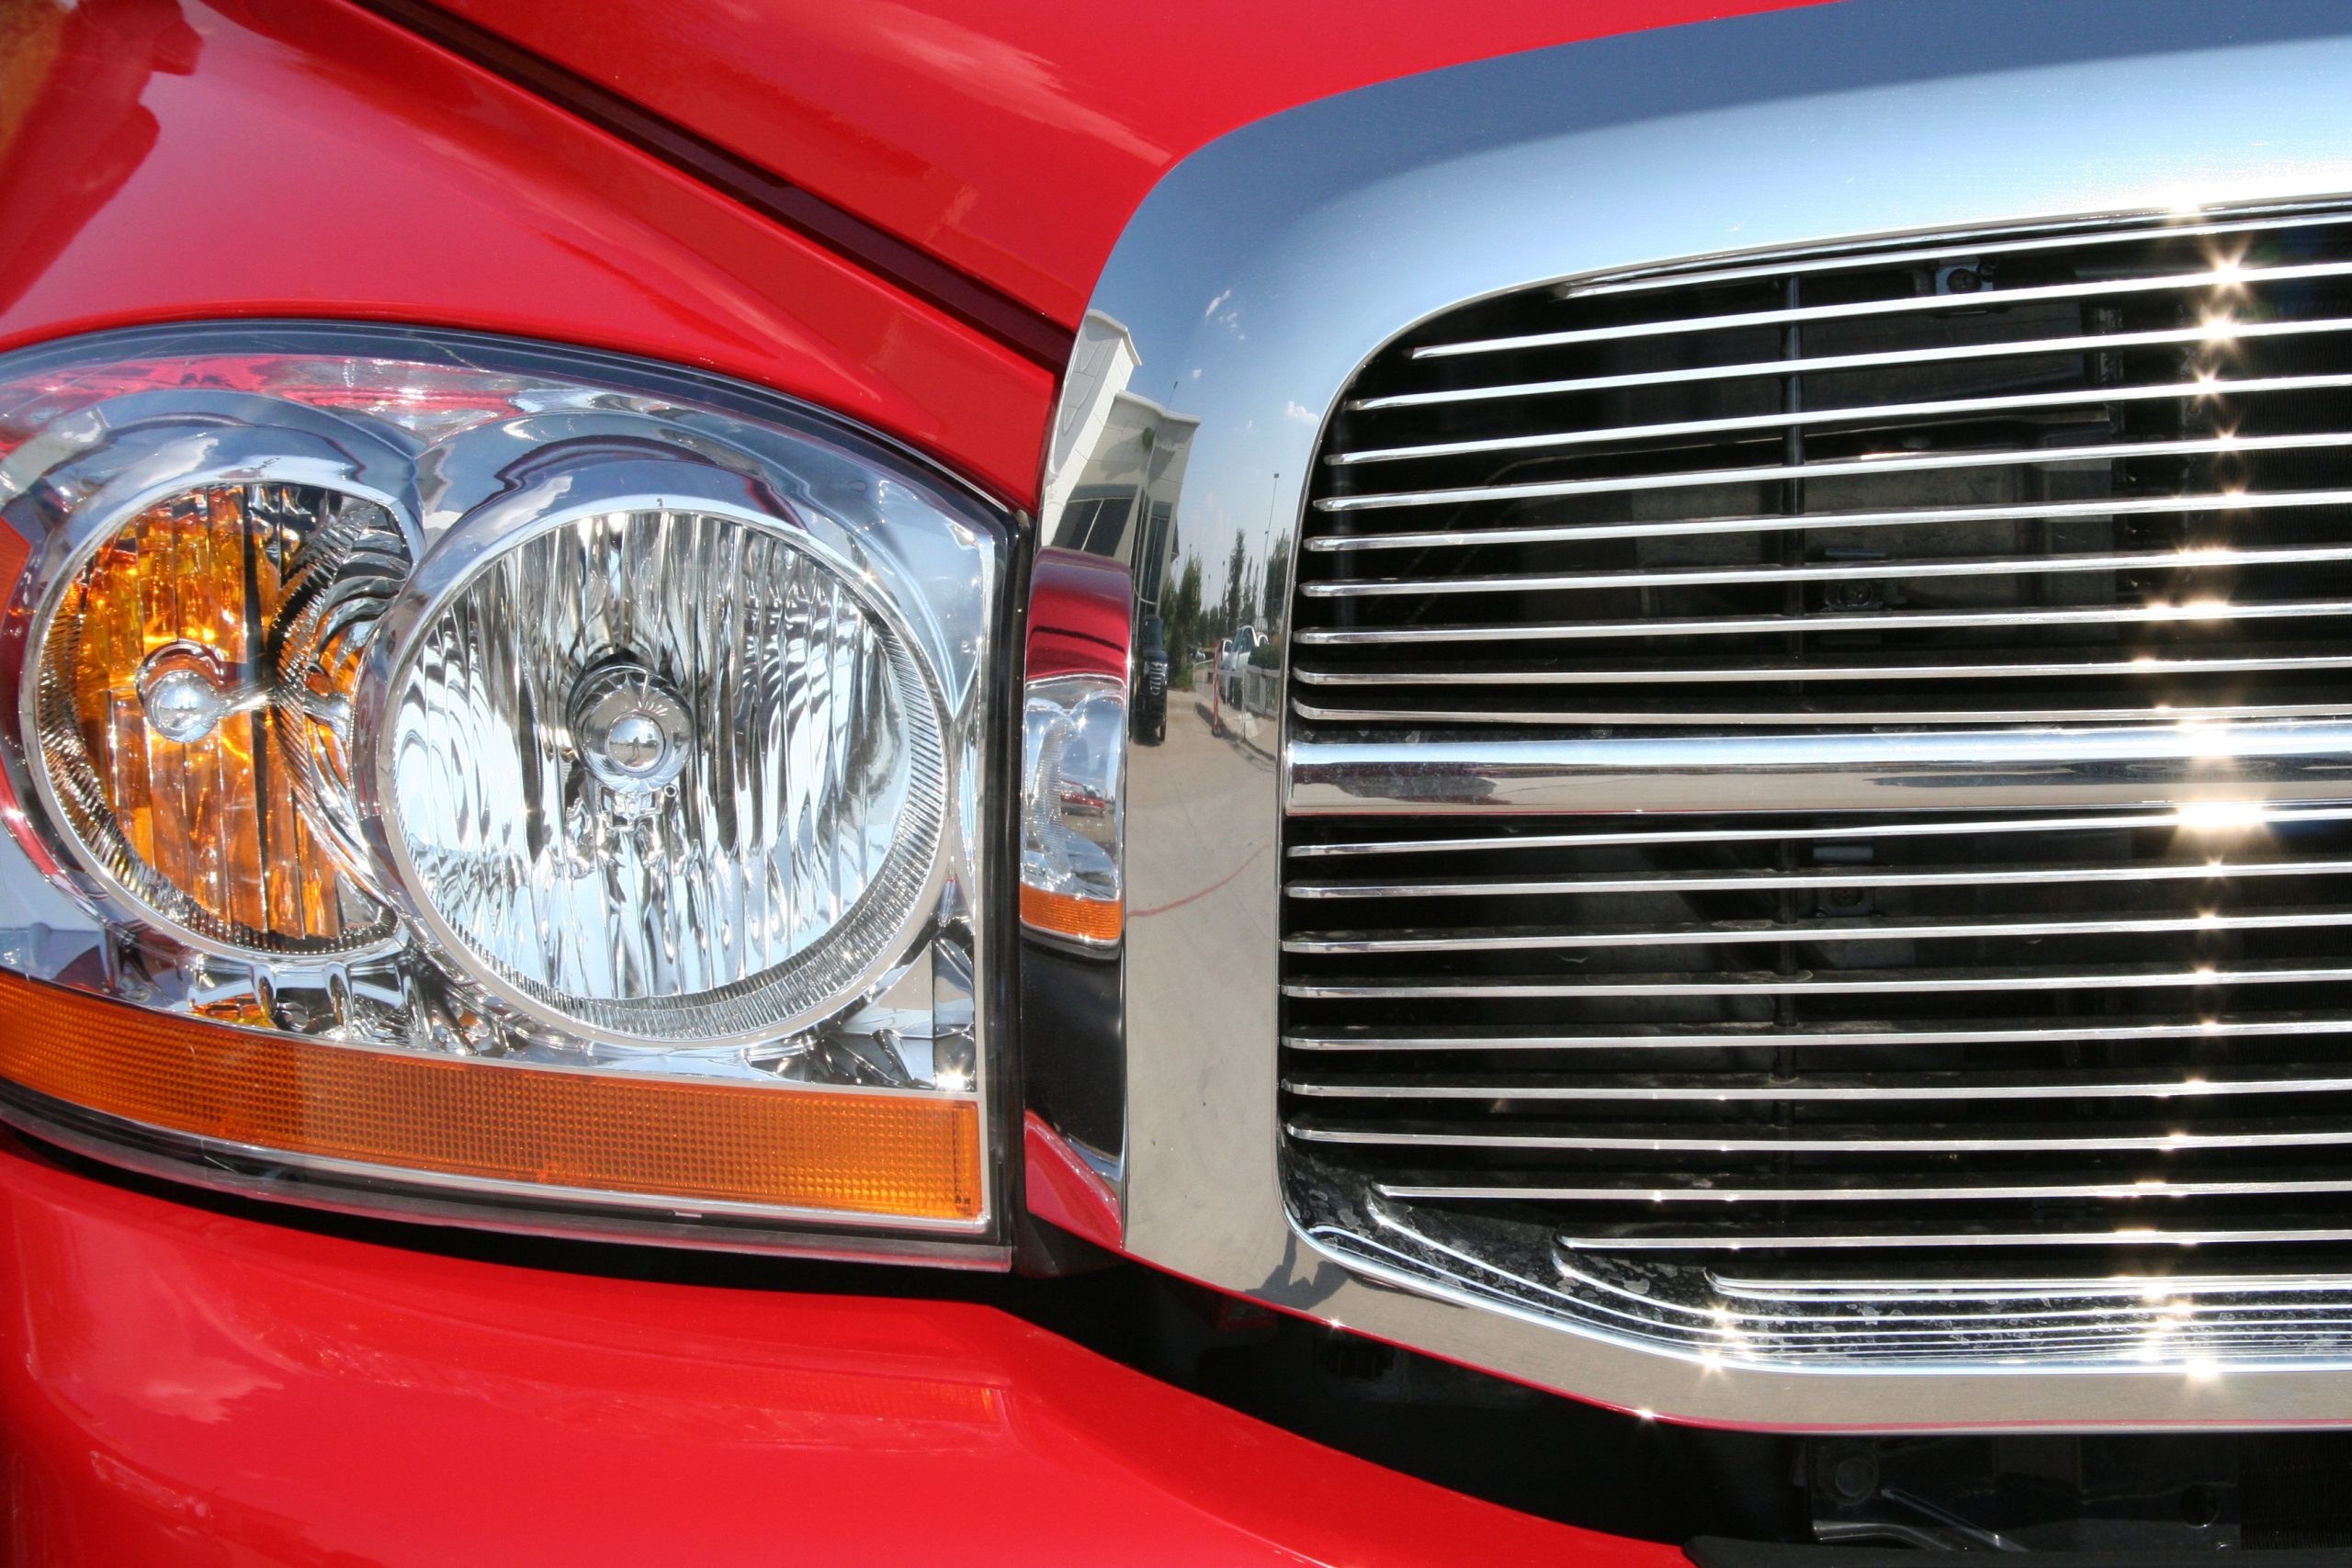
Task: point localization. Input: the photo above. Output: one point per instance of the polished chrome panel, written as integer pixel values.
(1248, 288)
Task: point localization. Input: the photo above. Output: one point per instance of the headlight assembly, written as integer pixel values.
(500, 776)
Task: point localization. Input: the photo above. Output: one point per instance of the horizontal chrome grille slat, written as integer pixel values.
(1825, 771)
(1800, 719)
(2229, 277)
(1832, 417)
(1667, 1039)
(1666, 1192)
(2148, 667)
(2226, 819)
(1874, 621)
(2215, 502)
(1790, 1241)
(1768, 985)
(1719, 932)
(2030, 1288)
(1842, 467)
(1975, 248)
(1894, 1088)
(1794, 1143)
(2102, 343)
(2216, 558)
(2212, 870)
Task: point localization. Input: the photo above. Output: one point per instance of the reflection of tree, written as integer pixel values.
(1276, 599)
(1236, 602)
(1181, 620)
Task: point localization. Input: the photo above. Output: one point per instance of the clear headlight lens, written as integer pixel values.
(605, 735)
(669, 775)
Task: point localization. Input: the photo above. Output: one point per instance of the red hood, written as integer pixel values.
(1011, 138)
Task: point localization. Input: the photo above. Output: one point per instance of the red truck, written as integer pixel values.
(636, 925)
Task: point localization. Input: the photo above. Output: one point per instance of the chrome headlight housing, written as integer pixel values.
(559, 774)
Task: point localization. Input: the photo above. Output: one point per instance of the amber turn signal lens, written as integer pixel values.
(184, 757)
(1066, 914)
(901, 1156)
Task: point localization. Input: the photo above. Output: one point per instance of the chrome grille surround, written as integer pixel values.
(1253, 285)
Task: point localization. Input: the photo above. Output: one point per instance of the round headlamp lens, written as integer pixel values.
(192, 705)
(668, 776)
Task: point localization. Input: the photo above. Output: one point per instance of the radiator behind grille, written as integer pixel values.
(1636, 966)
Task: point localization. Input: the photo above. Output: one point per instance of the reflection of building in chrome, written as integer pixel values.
(1117, 463)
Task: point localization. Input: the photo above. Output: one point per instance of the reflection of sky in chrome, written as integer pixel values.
(1268, 262)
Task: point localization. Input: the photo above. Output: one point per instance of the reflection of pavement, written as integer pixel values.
(1201, 896)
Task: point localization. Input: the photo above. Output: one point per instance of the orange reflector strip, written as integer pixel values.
(1095, 920)
(904, 1156)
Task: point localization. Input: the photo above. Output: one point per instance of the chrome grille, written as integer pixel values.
(1820, 814)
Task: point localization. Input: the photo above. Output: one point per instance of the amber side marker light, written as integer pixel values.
(857, 1154)
(1066, 914)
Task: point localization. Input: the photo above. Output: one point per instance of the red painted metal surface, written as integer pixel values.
(161, 160)
(1064, 1189)
(1012, 138)
(1079, 609)
(184, 1388)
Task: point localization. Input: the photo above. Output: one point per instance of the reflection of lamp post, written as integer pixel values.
(1273, 493)
(1139, 519)
(1266, 549)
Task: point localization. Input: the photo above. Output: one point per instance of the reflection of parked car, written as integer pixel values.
(1149, 717)
(1233, 659)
